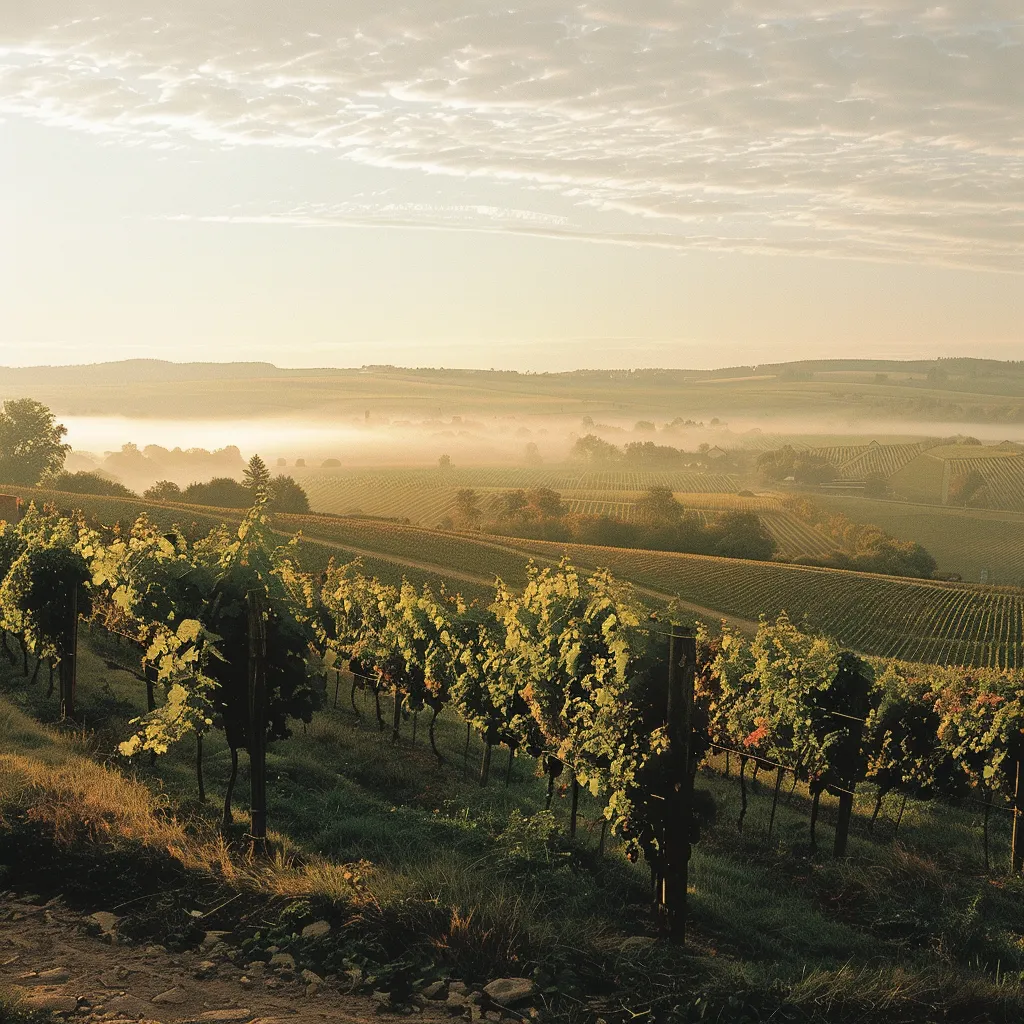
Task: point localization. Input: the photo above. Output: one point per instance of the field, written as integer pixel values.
(980, 545)
(425, 496)
(916, 620)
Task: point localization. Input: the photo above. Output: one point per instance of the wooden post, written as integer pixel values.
(257, 720)
(682, 664)
(485, 764)
(574, 811)
(843, 823)
(68, 659)
(1017, 848)
(775, 798)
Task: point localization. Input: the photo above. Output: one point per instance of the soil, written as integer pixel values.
(60, 961)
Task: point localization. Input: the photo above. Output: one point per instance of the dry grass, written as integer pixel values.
(50, 784)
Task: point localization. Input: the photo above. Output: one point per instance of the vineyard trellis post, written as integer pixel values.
(257, 719)
(682, 664)
(1017, 845)
(68, 659)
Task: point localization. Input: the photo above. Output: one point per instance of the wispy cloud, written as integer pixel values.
(885, 130)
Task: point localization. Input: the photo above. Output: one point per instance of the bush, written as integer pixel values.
(84, 482)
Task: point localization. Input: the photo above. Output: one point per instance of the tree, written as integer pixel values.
(593, 449)
(467, 507)
(287, 496)
(257, 477)
(163, 490)
(532, 454)
(444, 462)
(84, 482)
(221, 492)
(30, 442)
(658, 507)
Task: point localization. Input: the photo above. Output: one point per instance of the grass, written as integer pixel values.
(426, 874)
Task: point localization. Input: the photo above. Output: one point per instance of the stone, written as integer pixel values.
(245, 981)
(316, 930)
(54, 976)
(113, 979)
(636, 944)
(106, 921)
(210, 939)
(282, 962)
(510, 991)
(131, 1007)
(172, 997)
(381, 998)
(53, 1002)
(456, 1001)
(312, 978)
(238, 1015)
(435, 990)
(312, 988)
(458, 987)
(205, 967)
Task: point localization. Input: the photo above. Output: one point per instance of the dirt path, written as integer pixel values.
(53, 957)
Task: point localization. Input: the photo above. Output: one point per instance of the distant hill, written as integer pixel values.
(137, 371)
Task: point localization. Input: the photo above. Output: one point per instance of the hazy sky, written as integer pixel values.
(534, 184)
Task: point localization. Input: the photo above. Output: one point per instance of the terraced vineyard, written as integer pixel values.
(884, 459)
(977, 543)
(1003, 476)
(426, 496)
(917, 620)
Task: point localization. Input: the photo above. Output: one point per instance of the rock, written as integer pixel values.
(316, 930)
(381, 998)
(510, 991)
(113, 979)
(475, 1012)
(130, 1007)
(205, 968)
(52, 1002)
(172, 997)
(255, 967)
(458, 987)
(245, 982)
(106, 921)
(456, 1001)
(272, 983)
(282, 962)
(312, 978)
(54, 976)
(210, 939)
(312, 988)
(229, 1016)
(271, 950)
(636, 944)
(435, 990)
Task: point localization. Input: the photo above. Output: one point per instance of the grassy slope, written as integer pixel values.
(888, 935)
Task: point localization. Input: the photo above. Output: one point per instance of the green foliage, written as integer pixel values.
(31, 444)
(84, 482)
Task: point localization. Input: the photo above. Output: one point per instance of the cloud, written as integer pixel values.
(888, 130)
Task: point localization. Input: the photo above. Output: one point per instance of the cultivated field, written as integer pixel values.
(916, 620)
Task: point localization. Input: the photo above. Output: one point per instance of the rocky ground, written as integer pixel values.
(79, 968)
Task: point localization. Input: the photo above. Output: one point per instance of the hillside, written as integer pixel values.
(917, 620)
(948, 391)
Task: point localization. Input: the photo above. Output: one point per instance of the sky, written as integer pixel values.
(531, 185)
